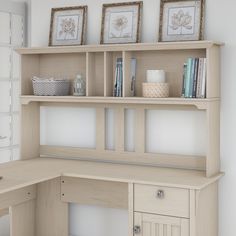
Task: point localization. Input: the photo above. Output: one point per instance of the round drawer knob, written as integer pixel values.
(137, 229)
(160, 194)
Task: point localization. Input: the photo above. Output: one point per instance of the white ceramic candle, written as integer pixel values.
(156, 76)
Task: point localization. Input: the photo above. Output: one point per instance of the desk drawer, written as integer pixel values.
(161, 200)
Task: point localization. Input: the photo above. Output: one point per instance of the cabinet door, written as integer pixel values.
(156, 225)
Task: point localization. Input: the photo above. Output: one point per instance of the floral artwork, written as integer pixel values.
(68, 26)
(181, 20)
(121, 25)
(121, 22)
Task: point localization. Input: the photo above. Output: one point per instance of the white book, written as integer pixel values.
(199, 77)
(204, 74)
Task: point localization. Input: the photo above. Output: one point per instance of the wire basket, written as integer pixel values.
(50, 87)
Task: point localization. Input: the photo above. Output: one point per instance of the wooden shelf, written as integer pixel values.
(97, 63)
(201, 104)
(121, 47)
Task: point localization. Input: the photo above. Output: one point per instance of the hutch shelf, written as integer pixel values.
(97, 64)
(164, 194)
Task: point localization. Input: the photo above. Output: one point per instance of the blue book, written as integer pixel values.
(194, 94)
(184, 79)
(118, 78)
(187, 80)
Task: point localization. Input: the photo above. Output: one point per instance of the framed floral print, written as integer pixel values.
(181, 20)
(121, 23)
(68, 26)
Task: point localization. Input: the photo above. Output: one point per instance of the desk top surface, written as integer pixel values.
(20, 174)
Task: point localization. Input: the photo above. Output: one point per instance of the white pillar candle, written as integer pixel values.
(156, 76)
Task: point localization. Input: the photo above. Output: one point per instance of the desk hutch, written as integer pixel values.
(164, 194)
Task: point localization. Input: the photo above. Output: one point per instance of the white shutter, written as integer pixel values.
(12, 31)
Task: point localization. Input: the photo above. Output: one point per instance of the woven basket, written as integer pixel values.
(42, 87)
(155, 90)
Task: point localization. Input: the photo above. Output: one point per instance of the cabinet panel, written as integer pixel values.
(156, 225)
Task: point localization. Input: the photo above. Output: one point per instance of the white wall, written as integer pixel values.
(220, 16)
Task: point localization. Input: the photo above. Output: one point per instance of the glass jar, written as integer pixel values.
(79, 86)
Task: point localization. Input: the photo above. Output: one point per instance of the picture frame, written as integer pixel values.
(121, 23)
(68, 26)
(181, 20)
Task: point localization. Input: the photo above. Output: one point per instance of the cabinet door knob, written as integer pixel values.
(160, 194)
(137, 229)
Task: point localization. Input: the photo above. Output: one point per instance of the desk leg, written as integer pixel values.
(22, 219)
(51, 212)
(131, 209)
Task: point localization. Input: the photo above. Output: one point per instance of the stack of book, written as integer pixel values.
(194, 78)
(118, 85)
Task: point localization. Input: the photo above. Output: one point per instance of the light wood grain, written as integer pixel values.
(62, 66)
(140, 130)
(174, 203)
(30, 131)
(213, 72)
(119, 129)
(18, 196)
(193, 212)
(207, 211)
(29, 68)
(156, 225)
(95, 74)
(121, 47)
(94, 192)
(108, 74)
(213, 139)
(200, 104)
(149, 159)
(100, 129)
(127, 56)
(51, 213)
(132, 185)
(42, 169)
(22, 218)
(131, 208)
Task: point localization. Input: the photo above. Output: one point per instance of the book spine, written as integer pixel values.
(199, 82)
(133, 76)
(118, 78)
(187, 86)
(195, 78)
(203, 89)
(192, 78)
(115, 82)
(184, 79)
